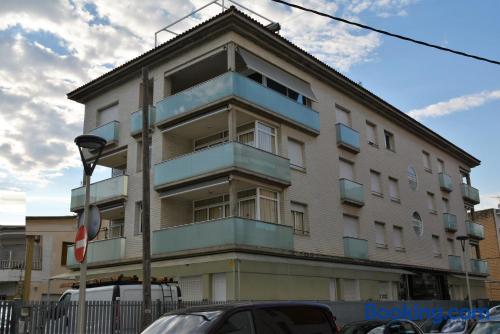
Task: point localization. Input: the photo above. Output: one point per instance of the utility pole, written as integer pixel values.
(146, 227)
(30, 239)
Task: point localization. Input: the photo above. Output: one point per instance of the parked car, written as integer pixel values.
(401, 326)
(487, 326)
(248, 318)
(454, 325)
(495, 310)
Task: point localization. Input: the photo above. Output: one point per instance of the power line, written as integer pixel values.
(408, 39)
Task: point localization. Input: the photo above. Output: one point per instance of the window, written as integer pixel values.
(346, 170)
(394, 189)
(107, 114)
(446, 205)
(351, 226)
(431, 203)
(397, 237)
(238, 323)
(139, 154)
(266, 137)
(436, 246)
(265, 209)
(371, 134)
(277, 87)
(299, 218)
(211, 208)
(115, 228)
(380, 235)
(427, 161)
(384, 290)
(292, 319)
(350, 290)
(451, 247)
(343, 116)
(212, 140)
(440, 166)
(412, 178)
(268, 201)
(376, 182)
(389, 141)
(296, 153)
(418, 225)
(138, 218)
(64, 252)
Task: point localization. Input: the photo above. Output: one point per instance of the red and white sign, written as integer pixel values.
(81, 244)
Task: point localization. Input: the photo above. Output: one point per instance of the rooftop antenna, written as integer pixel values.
(272, 25)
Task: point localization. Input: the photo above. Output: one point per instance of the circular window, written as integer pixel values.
(418, 225)
(412, 178)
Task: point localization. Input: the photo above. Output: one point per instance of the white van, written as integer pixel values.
(114, 307)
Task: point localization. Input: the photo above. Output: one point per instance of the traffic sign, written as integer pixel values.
(81, 244)
(94, 225)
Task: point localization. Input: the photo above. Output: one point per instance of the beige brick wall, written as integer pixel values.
(318, 185)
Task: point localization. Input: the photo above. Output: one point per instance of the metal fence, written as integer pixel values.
(125, 317)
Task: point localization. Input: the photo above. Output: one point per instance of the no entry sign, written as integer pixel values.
(81, 244)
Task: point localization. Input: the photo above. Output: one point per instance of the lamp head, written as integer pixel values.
(92, 146)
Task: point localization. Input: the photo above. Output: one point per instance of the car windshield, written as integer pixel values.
(363, 328)
(444, 326)
(487, 328)
(182, 323)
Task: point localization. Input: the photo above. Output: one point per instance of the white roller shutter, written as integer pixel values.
(191, 288)
(219, 287)
(346, 170)
(351, 227)
(107, 115)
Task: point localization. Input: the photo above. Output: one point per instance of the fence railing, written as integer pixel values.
(126, 317)
(19, 264)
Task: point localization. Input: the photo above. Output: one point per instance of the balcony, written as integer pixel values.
(223, 232)
(99, 251)
(474, 230)
(105, 191)
(220, 159)
(356, 248)
(470, 194)
(445, 182)
(479, 266)
(455, 262)
(8, 264)
(136, 120)
(347, 138)
(351, 192)
(108, 131)
(234, 85)
(450, 222)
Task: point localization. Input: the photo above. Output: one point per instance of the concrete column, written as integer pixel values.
(231, 124)
(167, 87)
(231, 56)
(233, 199)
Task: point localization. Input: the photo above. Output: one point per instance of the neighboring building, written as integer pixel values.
(53, 236)
(12, 246)
(490, 249)
(275, 177)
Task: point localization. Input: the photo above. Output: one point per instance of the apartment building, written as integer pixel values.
(275, 177)
(490, 249)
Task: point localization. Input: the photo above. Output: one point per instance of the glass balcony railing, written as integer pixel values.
(445, 182)
(103, 191)
(220, 158)
(108, 131)
(235, 85)
(136, 120)
(479, 266)
(356, 248)
(99, 251)
(450, 222)
(470, 193)
(474, 230)
(352, 192)
(347, 138)
(223, 232)
(455, 262)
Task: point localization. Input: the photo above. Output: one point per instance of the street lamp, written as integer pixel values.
(463, 239)
(90, 148)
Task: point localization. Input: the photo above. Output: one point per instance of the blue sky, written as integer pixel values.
(50, 48)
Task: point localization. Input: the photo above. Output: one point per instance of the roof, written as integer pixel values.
(50, 217)
(233, 19)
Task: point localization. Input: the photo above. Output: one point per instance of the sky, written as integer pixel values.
(48, 48)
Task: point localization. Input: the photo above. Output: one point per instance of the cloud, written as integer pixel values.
(456, 104)
(12, 207)
(48, 48)
(489, 201)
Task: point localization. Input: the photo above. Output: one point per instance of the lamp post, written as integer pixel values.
(90, 148)
(463, 239)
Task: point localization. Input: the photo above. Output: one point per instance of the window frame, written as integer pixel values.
(378, 176)
(305, 218)
(384, 234)
(400, 229)
(391, 144)
(374, 127)
(436, 246)
(431, 203)
(301, 146)
(396, 182)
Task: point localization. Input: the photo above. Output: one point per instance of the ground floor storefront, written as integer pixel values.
(242, 276)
